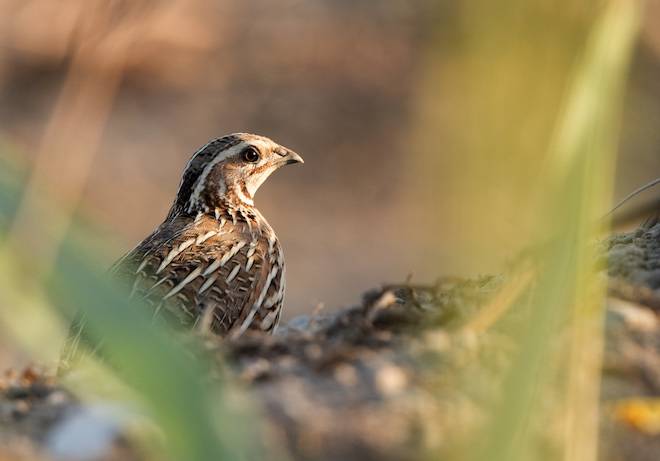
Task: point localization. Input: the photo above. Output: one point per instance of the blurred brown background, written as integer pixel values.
(338, 81)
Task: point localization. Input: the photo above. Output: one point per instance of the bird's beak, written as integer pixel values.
(288, 156)
(291, 157)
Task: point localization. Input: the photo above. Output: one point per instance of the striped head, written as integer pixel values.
(229, 170)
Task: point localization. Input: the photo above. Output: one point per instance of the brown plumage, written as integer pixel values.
(214, 265)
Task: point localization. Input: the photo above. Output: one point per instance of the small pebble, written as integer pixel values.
(313, 351)
(391, 380)
(346, 375)
(21, 408)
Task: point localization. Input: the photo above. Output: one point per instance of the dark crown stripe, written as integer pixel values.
(196, 166)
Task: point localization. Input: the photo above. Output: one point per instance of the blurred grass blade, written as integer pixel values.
(166, 376)
(580, 168)
(26, 317)
(590, 128)
(172, 384)
(11, 178)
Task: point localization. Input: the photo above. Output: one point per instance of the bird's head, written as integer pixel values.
(230, 169)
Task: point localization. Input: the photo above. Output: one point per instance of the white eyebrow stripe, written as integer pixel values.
(264, 145)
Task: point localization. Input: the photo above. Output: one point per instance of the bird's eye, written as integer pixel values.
(251, 155)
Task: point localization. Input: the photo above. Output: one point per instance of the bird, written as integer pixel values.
(214, 265)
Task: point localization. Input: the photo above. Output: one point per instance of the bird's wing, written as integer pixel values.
(208, 280)
(262, 311)
(204, 280)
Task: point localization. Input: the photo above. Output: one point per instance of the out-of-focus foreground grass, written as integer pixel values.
(165, 382)
(49, 267)
(526, 159)
(532, 101)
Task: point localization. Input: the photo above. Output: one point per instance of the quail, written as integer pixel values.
(214, 265)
